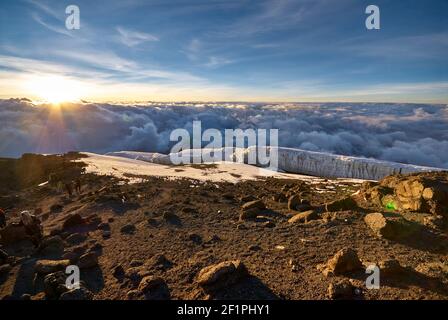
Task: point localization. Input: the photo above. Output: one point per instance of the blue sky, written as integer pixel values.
(280, 50)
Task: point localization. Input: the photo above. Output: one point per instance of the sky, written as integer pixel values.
(224, 50)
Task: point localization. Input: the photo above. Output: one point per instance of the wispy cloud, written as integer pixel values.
(51, 27)
(269, 16)
(47, 9)
(197, 52)
(133, 38)
(214, 62)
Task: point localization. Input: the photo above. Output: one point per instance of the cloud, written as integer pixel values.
(133, 38)
(51, 27)
(407, 133)
(199, 53)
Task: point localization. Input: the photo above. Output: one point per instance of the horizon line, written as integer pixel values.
(88, 101)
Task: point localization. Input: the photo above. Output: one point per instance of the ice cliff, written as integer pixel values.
(295, 161)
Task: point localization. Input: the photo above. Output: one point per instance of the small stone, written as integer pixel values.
(52, 246)
(222, 274)
(154, 288)
(293, 202)
(25, 297)
(118, 272)
(341, 205)
(159, 261)
(56, 208)
(343, 262)
(390, 227)
(54, 284)
(169, 216)
(96, 247)
(136, 274)
(3, 257)
(241, 227)
(150, 283)
(77, 294)
(12, 233)
(197, 239)
(72, 221)
(38, 296)
(304, 217)
(136, 263)
(76, 238)
(390, 267)
(128, 229)
(213, 239)
(51, 266)
(153, 222)
(254, 247)
(269, 224)
(256, 204)
(133, 295)
(251, 210)
(104, 226)
(341, 290)
(88, 260)
(73, 257)
(4, 269)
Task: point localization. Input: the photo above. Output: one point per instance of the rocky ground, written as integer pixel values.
(263, 239)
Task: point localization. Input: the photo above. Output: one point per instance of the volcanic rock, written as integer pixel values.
(88, 260)
(222, 274)
(128, 229)
(390, 227)
(4, 269)
(304, 217)
(341, 205)
(73, 220)
(54, 285)
(390, 267)
(12, 233)
(343, 262)
(52, 246)
(76, 238)
(342, 289)
(81, 293)
(51, 266)
(154, 288)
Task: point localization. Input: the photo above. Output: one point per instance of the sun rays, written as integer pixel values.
(55, 89)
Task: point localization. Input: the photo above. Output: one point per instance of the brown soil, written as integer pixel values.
(195, 225)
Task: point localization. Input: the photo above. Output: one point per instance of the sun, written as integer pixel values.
(55, 89)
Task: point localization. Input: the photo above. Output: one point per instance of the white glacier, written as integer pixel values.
(298, 161)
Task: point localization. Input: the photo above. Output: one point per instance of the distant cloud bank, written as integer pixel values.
(407, 133)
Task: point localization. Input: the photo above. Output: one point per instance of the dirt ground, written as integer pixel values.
(178, 227)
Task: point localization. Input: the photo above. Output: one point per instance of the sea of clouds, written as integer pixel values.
(407, 133)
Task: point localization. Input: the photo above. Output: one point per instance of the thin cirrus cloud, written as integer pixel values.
(276, 50)
(202, 55)
(50, 26)
(132, 38)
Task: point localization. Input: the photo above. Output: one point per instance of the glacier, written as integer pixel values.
(320, 164)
